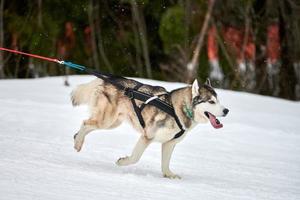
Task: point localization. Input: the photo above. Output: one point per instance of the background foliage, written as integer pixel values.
(154, 39)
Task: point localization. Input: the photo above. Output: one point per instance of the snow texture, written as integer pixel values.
(255, 156)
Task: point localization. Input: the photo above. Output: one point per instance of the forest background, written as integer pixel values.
(246, 45)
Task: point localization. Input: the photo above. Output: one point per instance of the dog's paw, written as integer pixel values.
(77, 146)
(171, 175)
(77, 143)
(123, 161)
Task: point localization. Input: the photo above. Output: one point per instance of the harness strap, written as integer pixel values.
(151, 99)
(106, 77)
(137, 110)
(179, 134)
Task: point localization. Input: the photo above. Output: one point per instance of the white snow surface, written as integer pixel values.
(256, 155)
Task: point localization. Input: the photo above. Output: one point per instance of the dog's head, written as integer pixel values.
(205, 104)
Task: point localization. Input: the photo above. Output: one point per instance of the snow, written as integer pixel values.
(255, 156)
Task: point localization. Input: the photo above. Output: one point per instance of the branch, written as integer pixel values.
(192, 65)
(143, 35)
(226, 54)
(247, 28)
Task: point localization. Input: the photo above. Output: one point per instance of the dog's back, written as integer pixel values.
(88, 92)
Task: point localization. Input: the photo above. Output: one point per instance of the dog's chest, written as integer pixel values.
(166, 134)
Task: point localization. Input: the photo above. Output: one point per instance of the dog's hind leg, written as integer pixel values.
(167, 150)
(87, 127)
(137, 152)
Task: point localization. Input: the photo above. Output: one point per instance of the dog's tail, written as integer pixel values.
(86, 93)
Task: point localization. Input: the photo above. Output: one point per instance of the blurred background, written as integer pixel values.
(246, 45)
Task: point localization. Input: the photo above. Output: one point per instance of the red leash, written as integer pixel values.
(31, 55)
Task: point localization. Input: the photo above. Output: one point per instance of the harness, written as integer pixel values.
(132, 93)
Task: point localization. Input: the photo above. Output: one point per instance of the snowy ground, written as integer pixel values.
(255, 156)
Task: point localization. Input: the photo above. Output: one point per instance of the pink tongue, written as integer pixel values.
(214, 121)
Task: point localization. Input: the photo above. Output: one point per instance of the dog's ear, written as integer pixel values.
(207, 82)
(195, 88)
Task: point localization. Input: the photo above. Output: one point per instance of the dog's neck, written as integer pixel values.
(182, 103)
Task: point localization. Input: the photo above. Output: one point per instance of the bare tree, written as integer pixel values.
(93, 34)
(289, 14)
(247, 29)
(249, 79)
(139, 19)
(192, 66)
(231, 61)
(187, 6)
(40, 22)
(2, 75)
(138, 51)
(99, 37)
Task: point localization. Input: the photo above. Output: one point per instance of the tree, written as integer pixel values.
(91, 14)
(192, 66)
(289, 34)
(2, 75)
(140, 21)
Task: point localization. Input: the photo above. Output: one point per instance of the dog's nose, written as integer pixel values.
(225, 111)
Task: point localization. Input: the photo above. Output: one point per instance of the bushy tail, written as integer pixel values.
(86, 93)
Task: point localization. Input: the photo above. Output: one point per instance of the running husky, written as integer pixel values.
(109, 107)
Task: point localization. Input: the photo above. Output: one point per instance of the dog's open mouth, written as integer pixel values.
(213, 120)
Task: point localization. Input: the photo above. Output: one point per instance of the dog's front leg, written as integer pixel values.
(137, 152)
(86, 127)
(167, 150)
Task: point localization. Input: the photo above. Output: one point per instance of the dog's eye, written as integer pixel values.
(211, 102)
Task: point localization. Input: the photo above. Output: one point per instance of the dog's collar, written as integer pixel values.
(188, 111)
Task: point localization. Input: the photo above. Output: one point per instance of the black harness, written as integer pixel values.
(133, 94)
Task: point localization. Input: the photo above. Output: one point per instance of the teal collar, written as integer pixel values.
(188, 111)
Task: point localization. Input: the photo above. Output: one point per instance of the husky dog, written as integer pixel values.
(109, 107)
